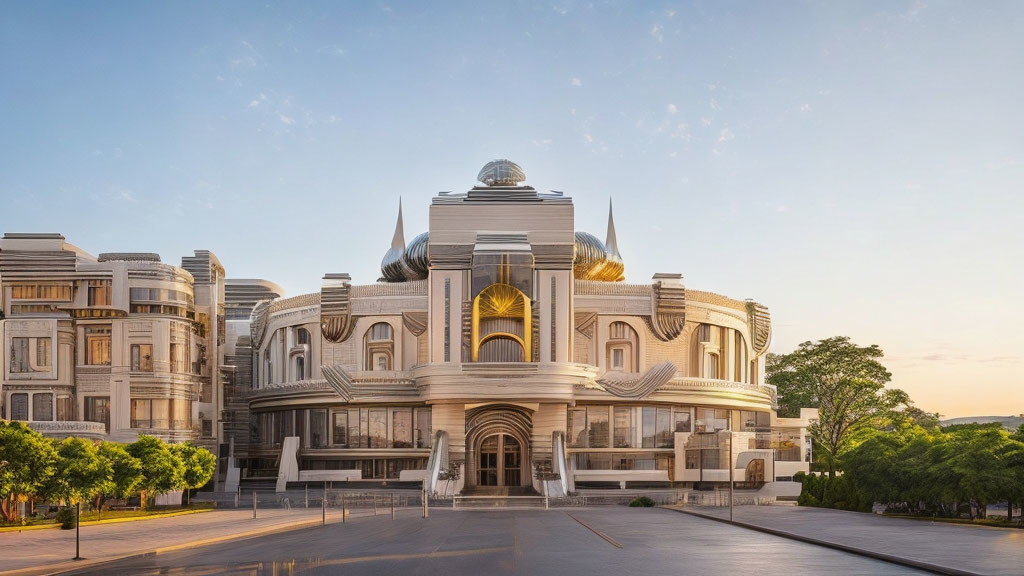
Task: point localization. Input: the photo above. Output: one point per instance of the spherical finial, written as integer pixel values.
(501, 173)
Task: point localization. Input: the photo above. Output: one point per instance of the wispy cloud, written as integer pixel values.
(575, 82)
(656, 33)
(672, 108)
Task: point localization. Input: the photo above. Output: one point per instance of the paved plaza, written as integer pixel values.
(595, 540)
(975, 549)
(606, 540)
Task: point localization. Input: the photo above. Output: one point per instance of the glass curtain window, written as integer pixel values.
(623, 429)
(423, 431)
(597, 427)
(577, 427)
(401, 427)
(378, 427)
(340, 432)
(664, 429)
(318, 428)
(356, 428)
(650, 415)
(682, 420)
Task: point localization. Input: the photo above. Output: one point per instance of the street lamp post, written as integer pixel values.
(78, 525)
(731, 467)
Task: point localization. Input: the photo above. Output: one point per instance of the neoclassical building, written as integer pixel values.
(501, 342)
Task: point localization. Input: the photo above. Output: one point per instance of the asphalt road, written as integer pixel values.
(590, 541)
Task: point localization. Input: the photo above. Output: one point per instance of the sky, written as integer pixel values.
(855, 166)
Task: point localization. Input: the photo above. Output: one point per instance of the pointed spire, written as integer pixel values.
(398, 242)
(610, 243)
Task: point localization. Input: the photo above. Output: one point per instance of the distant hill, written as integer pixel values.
(1008, 422)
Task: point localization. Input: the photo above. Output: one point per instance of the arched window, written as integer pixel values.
(301, 354)
(379, 344)
(501, 325)
(302, 336)
(623, 348)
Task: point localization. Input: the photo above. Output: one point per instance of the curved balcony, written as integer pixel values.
(68, 428)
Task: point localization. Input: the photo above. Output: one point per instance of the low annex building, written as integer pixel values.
(502, 343)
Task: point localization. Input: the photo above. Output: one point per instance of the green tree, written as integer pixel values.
(79, 472)
(125, 471)
(161, 468)
(198, 465)
(26, 463)
(845, 382)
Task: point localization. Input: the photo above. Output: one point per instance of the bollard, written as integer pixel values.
(374, 505)
(236, 499)
(307, 495)
(323, 507)
(392, 505)
(78, 525)
(342, 507)
(254, 504)
(545, 501)
(423, 501)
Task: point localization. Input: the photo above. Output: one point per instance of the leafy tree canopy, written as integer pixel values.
(26, 463)
(198, 464)
(79, 473)
(161, 467)
(125, 471)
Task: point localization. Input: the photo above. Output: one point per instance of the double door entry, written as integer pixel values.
(500, 461)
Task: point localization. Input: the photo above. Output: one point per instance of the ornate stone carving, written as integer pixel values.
(669, 307)
(622, 385)
(336, 322)
(415, 322)
(760, 321)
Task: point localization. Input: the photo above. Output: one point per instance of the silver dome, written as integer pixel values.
(501, 173)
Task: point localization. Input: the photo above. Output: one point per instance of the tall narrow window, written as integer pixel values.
(19, 407)
(179, 362)
(423, 437)
(650, 417)
(339, 435)
(577, 427)
(42, 407)
(597, 427)
(623, 347)
(401, 427)
(380, 347)
(318, 428)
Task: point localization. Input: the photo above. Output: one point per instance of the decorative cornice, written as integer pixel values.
(669, 304)
(622, 385)
(336, 322)
(300, 301)
(760, 321)
(415, 322)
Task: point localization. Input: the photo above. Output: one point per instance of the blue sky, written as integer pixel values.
(855, 166)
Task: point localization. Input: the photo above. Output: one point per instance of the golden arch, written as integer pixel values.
(501, 300)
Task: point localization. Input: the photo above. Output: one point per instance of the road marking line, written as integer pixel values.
(606, 537)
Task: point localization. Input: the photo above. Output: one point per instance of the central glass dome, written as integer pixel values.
(501, 173)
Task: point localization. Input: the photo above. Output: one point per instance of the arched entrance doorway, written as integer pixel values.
(500, 461)
(498, 446)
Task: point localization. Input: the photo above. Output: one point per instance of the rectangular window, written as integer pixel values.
(31, 355)
(401, 427)
(65, 408)
(181, 414)
(577, 428)
(318, 428)
(19, 407)
(142, 413)
(340, 437)
(650, 415)
(97, 409)
(42, 407)
(423, 431)
(179, 362)
(597, 427)
(97, 345)
(624, 429)
(617, 358)
(41, 292)
(142, 357)
(99, 294)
